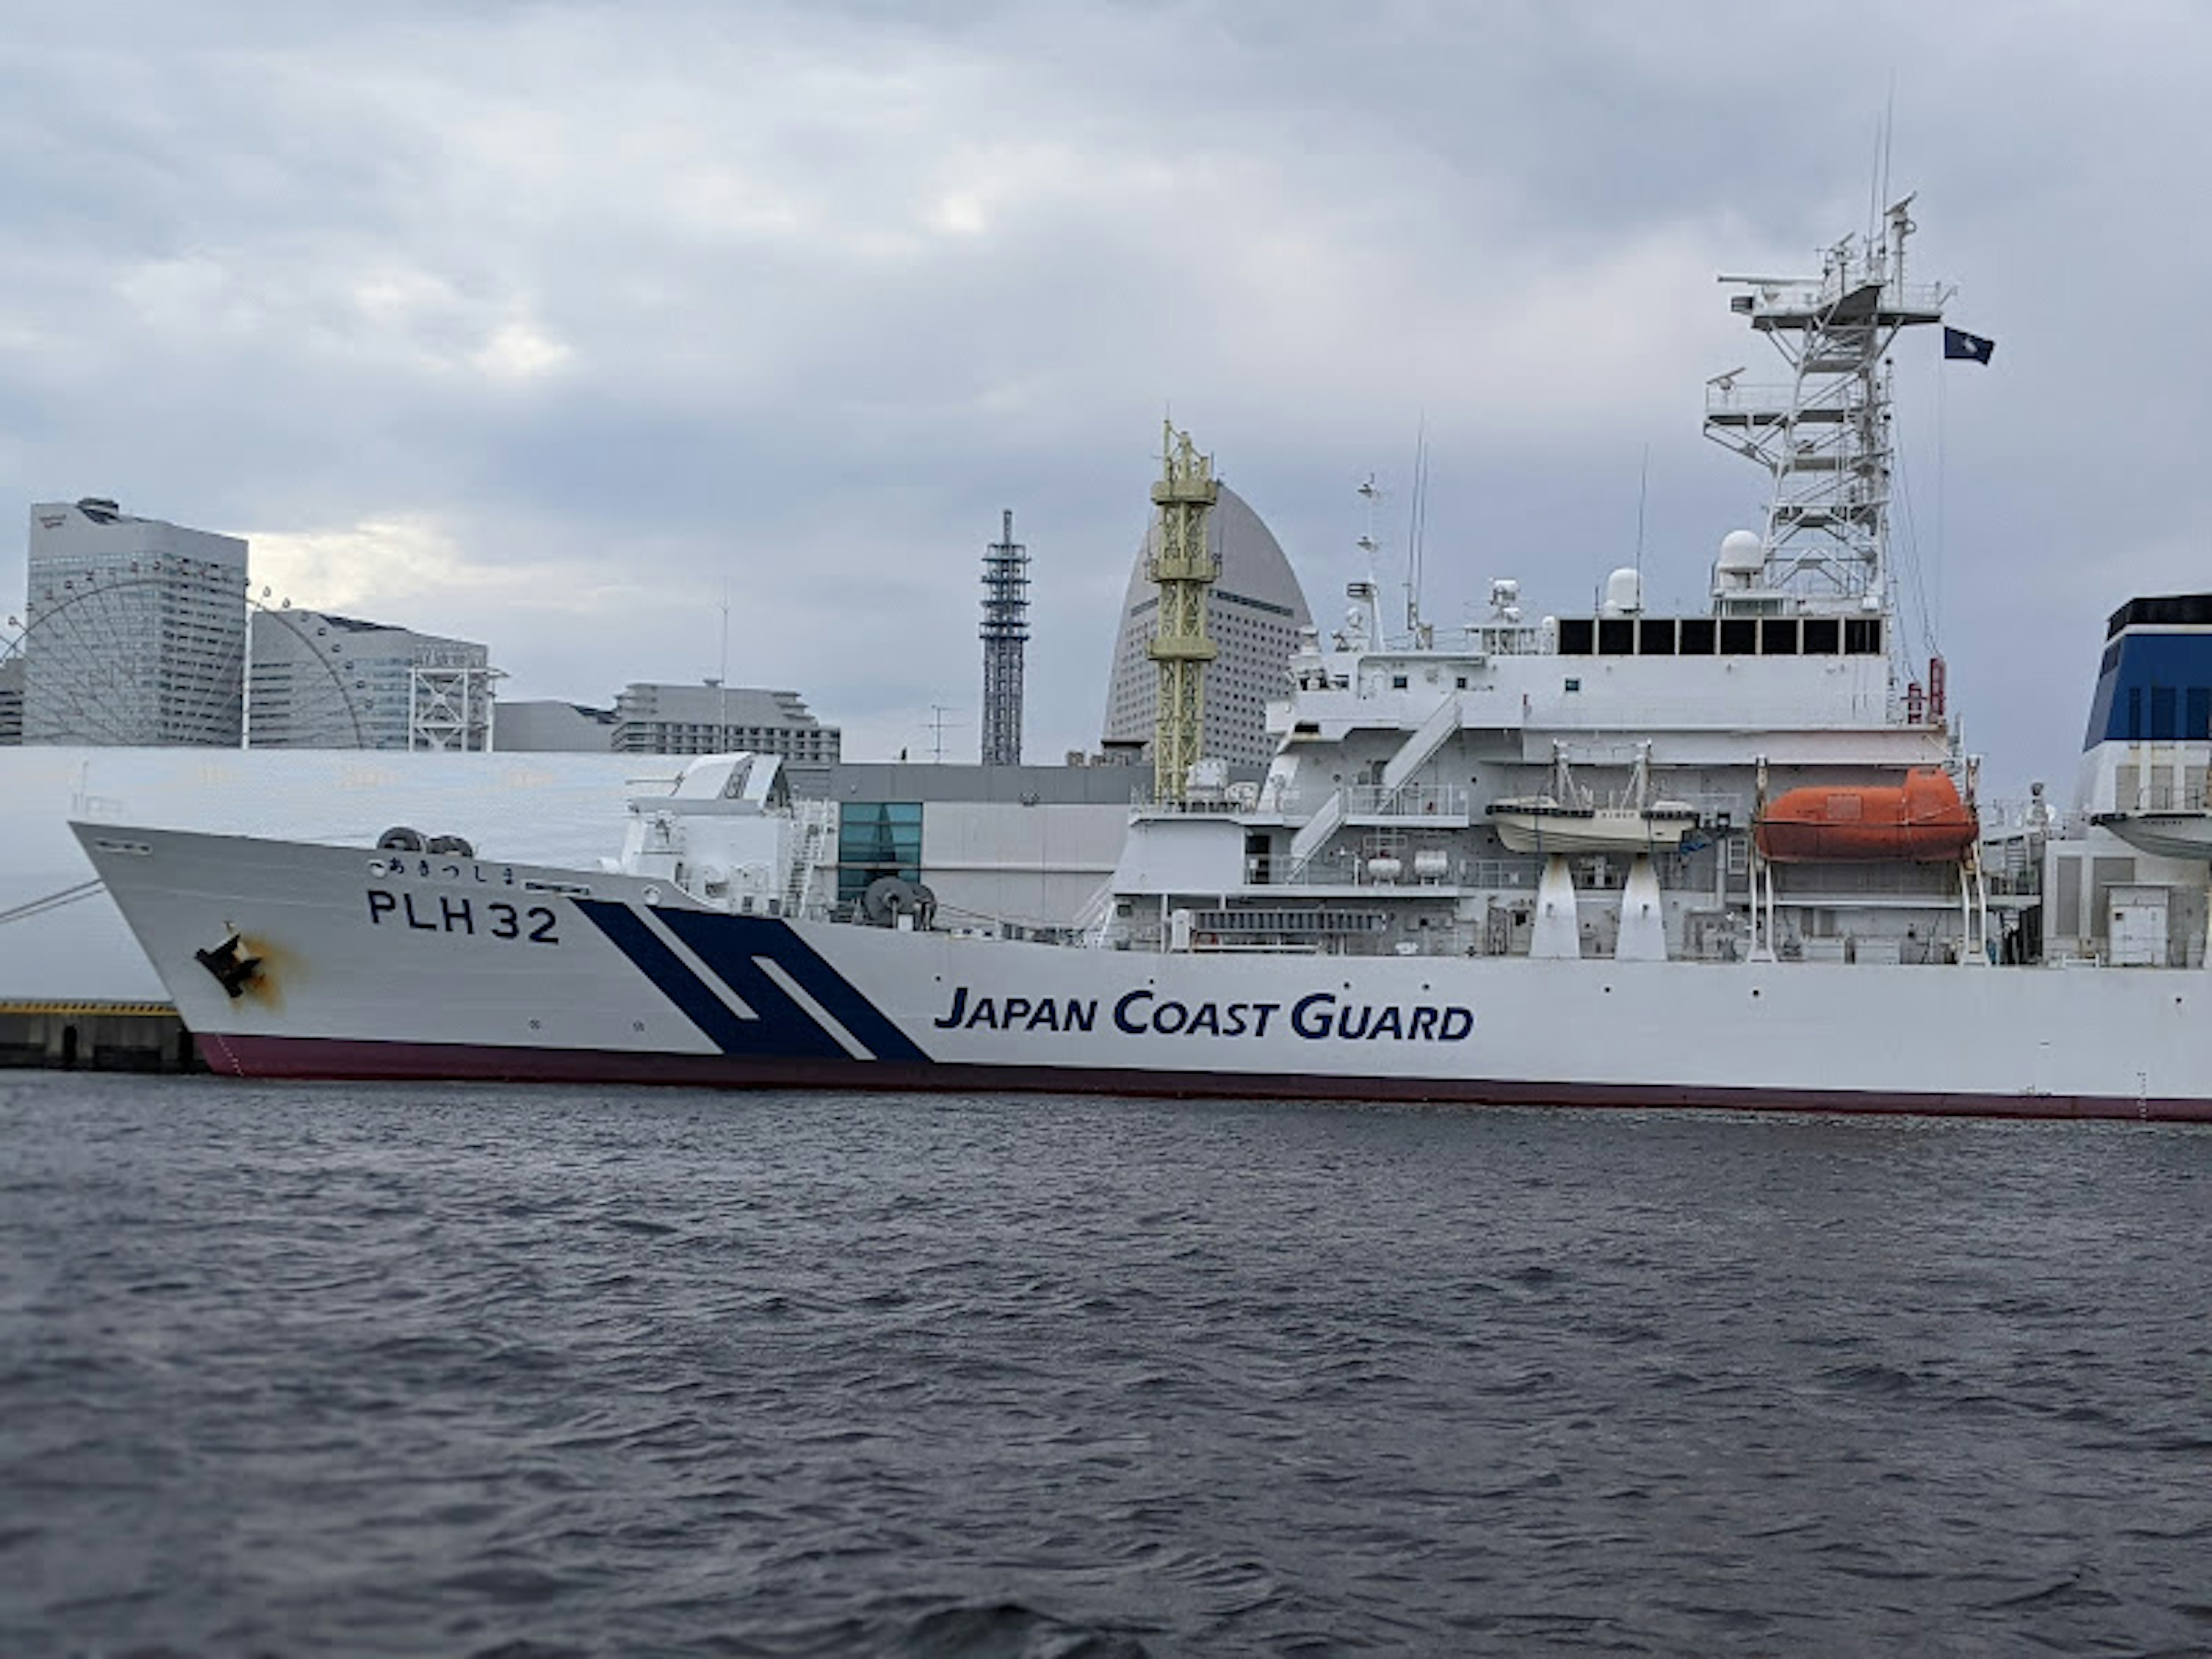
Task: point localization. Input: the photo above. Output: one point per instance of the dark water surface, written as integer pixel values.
(407, 1370)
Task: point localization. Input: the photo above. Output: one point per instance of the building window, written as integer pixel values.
(875, 839)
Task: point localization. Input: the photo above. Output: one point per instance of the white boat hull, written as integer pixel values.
(375, 965)
(2162, 834)
(1574, 835)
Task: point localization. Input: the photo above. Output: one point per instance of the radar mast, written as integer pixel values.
(1823, 434)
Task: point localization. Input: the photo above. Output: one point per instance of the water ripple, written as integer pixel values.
(552, 1374)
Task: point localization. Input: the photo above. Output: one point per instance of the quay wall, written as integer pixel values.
(96, 1036)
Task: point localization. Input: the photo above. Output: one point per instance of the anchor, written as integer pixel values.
(233, 969)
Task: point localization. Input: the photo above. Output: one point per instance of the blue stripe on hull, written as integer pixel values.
(729, 944)
(784, 1029)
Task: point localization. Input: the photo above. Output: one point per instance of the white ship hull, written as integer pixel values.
(385, 965)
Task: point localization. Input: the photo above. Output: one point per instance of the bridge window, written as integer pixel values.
(2161, 714)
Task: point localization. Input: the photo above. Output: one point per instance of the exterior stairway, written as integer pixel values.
(815, 832)
(1414, 753)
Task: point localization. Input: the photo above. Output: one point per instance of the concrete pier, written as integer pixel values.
(96, 1036)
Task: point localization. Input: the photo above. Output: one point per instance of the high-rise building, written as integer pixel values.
(321, 681)
(712, 719)
(11, 699)
(135, 629)
(1255, 610)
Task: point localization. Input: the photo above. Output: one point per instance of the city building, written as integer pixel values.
(321, 681)
(543, 725)
(1254, 612)
(134, 630)
(712, 718)
(11, 699)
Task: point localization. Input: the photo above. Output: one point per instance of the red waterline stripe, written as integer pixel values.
(335, 1057)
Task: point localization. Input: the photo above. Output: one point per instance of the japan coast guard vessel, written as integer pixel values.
(1733, 859)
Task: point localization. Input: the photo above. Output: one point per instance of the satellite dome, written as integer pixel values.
(1741, 550)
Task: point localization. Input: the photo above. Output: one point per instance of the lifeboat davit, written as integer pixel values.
(1922, 820)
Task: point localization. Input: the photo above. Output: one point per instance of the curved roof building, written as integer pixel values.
(1253, 614)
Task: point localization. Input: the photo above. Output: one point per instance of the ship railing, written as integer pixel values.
(1716, 807)
(1499, 872)
(1732, 397)
(1353, 868)
(1820, 883)
(1211, 805)
(2012, 815)
(1094, 922)
(1501, 639)
(2162, 798)
(1406, 801)
(1810, 293)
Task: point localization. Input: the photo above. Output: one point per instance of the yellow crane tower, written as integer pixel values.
(1182, 568)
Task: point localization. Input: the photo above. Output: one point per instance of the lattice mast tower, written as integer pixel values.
(1005, 632)
(1183, 568)
(1824, 436)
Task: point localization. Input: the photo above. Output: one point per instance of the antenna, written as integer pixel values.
(1417, 515)
(722, 678)
(1888, 131)
(938, 727)
(1371, 497)
(1643, 493)
(1878, 184)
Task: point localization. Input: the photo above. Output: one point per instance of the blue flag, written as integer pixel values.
(1957, 343)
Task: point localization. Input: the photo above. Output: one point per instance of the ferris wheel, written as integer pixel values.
(165, 651)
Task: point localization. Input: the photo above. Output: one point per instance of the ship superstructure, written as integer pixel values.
(1594, 785)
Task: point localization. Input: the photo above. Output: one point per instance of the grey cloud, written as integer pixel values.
(661, 293)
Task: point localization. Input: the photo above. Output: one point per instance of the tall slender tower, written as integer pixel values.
(1184, 571)
(1006, 630)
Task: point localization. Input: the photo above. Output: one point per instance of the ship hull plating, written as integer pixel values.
(372, 965)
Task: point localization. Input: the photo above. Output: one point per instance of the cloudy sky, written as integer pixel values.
(543, 324)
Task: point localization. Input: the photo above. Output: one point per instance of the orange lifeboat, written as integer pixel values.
(1922, 820)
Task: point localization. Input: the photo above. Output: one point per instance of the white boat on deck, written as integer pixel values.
(1567, 820)
(2176, 834)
